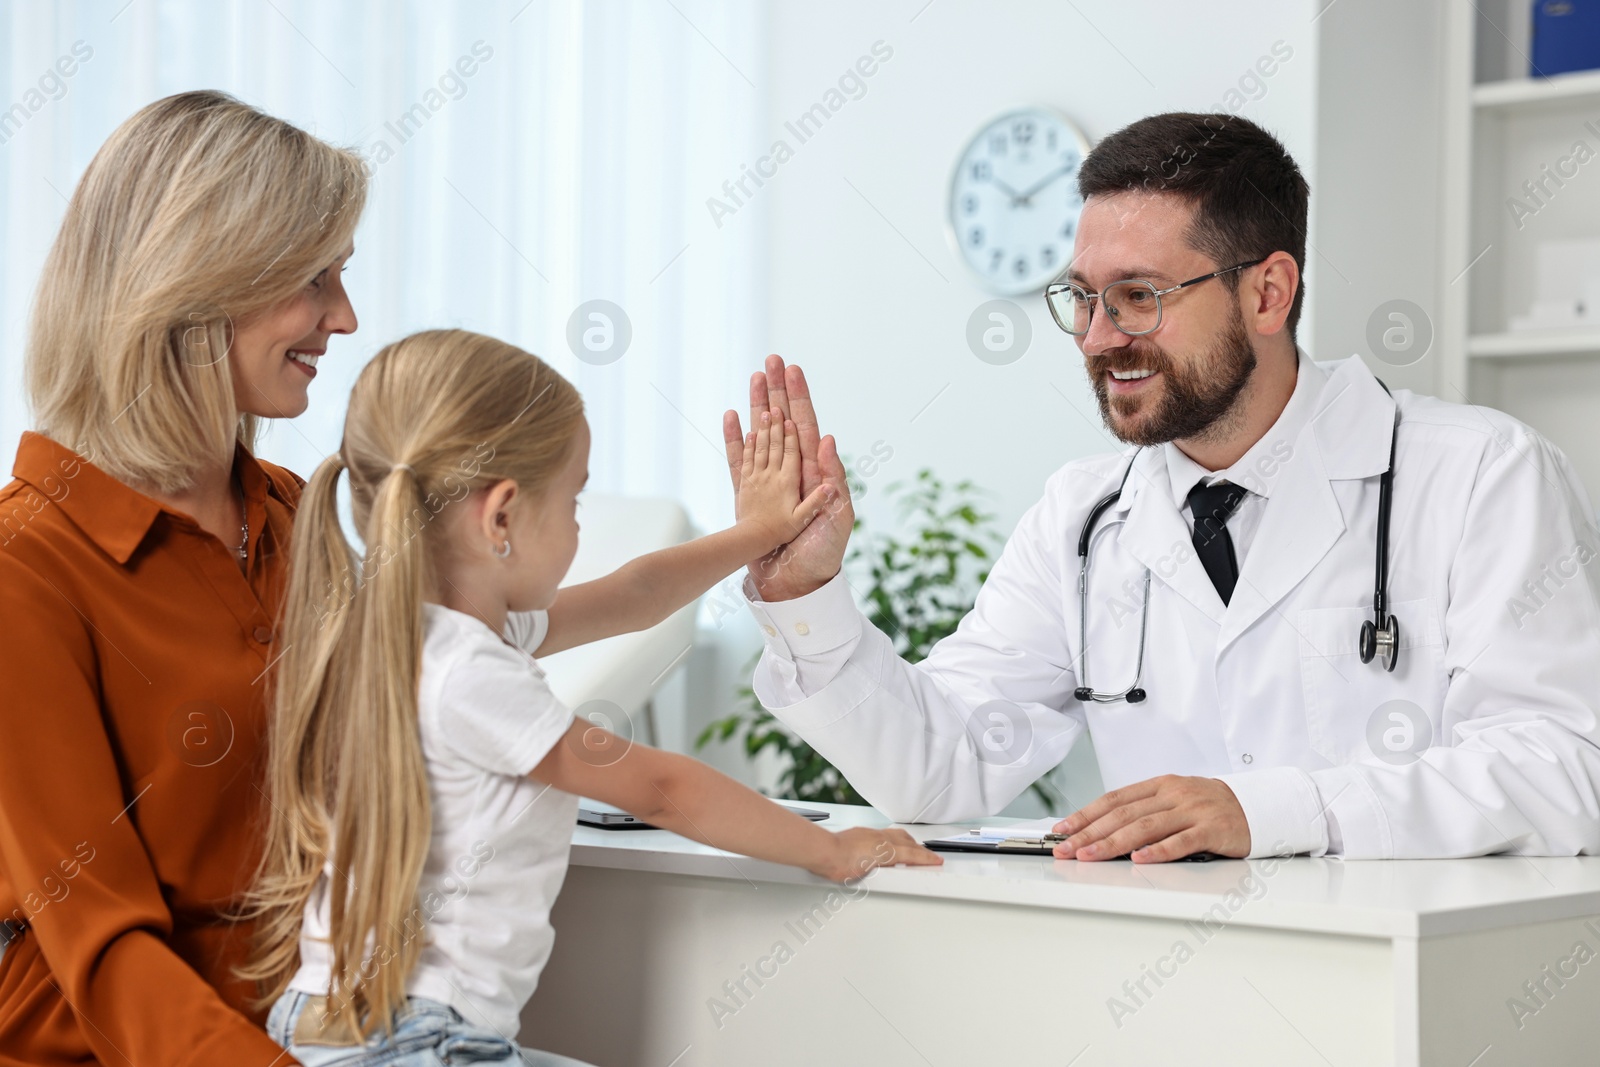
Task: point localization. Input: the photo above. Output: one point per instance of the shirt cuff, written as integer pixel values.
(1283, 811)
(821, 621)
(1349, 800)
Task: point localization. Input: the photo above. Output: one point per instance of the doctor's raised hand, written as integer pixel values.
(815, 554)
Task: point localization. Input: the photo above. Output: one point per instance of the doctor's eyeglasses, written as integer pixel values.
(1134, 305)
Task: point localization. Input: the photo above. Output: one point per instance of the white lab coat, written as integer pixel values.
(1492, 577)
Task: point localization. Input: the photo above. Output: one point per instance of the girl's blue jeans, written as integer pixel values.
(426, 1034)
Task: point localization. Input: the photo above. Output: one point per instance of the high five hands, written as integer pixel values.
(769, 484)
(815, 554)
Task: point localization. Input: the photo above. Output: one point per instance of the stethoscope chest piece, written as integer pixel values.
(1385, 642)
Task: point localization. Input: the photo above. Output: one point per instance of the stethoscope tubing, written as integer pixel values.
(1384, 629)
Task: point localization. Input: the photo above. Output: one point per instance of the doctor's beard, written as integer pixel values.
(1199, 397)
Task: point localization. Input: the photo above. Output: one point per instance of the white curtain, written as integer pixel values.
(572, 164)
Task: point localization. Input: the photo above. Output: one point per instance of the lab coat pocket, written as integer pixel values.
(1348, 703)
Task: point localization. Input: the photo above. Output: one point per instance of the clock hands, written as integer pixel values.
(1004, 188)
(1027, 194)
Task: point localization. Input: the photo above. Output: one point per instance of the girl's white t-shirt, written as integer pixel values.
(500, 839)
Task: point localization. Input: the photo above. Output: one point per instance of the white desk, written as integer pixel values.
(1024, 960)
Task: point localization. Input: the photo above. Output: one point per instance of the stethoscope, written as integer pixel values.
(1380, 635)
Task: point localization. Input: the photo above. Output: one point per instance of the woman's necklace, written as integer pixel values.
(244, 530)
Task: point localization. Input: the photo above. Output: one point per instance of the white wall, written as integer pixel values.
(1375, 218)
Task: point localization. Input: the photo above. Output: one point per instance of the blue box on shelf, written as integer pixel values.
(1566, 36)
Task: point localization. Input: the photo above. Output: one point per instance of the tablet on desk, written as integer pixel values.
(603, 817)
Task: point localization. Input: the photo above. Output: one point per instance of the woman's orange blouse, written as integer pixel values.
(133, 665)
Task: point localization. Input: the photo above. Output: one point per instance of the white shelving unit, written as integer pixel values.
(1500, 130)
(1533, 344)
(1517, 95)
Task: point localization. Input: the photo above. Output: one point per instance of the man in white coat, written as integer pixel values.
(1249, 510)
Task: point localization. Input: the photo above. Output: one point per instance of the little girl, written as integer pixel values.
(423, 778)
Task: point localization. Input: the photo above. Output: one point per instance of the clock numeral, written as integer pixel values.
(981, 171)
(1022, 131)
(999, 257)
(969, 204)
(1047, 256)
(976, 237)
(1070, 226)
(1020, 267)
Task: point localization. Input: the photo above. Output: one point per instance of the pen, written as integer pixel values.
(1044, 843)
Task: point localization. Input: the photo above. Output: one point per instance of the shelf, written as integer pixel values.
(1534, 344)
(1533, 94)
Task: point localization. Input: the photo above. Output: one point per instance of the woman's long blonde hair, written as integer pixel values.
(197, 213)
(431, 418)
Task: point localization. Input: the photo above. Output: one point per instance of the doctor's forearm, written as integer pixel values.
(901, 736)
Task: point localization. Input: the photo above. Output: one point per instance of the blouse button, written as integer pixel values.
(770, 631)
(1247, 758)
(263, 635)
(801, 628)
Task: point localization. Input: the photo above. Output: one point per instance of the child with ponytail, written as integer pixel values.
(415, 748)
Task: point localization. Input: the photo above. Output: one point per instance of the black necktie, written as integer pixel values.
(1211, 506)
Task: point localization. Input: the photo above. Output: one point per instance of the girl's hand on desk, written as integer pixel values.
(769, 501)
(860, 849)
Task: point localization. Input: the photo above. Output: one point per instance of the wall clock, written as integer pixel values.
(1014, 200)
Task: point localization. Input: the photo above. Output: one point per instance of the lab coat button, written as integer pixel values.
(801, 628)
(262, 635)
(770, 631)
(1247, 758)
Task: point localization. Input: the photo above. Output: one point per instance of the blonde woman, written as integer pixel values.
(423, 778)
(143, 555)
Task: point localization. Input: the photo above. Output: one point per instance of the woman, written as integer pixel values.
(143, 554)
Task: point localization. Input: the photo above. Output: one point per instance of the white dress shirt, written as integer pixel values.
(1256, 471)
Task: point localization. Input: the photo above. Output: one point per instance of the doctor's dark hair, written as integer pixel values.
(1248, 194)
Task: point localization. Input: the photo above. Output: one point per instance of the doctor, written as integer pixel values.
(1229, 575)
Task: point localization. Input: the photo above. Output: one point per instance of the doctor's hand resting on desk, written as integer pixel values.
(1262, 667)
(1158, 820)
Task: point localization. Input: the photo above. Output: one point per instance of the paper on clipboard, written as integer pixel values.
(1025, 828)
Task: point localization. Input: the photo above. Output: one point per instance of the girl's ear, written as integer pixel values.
(499, 500)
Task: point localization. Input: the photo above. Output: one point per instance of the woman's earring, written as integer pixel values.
(504, 550)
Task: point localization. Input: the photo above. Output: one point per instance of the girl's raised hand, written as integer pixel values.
(769, 483)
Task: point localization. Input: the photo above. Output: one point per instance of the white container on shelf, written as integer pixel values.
(1567, 273)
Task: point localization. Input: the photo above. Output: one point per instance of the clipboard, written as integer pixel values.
(1036, 845)
(602, 817)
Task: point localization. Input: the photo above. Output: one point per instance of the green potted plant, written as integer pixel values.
(916, 590)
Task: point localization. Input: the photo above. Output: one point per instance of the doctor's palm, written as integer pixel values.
(814, 556)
